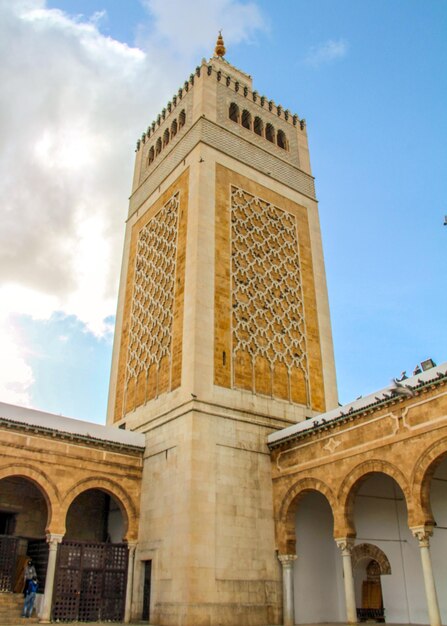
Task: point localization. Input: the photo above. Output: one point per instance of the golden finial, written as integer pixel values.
(219, 50)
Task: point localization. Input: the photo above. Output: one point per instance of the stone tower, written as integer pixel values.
(222, 336)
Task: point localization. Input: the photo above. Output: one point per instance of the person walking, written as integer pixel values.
(30, 597)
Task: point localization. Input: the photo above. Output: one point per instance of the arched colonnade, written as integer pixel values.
(67, 493)
(348, 463)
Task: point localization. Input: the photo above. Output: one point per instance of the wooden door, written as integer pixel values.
(147, 591)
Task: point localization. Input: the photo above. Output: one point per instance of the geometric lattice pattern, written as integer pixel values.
(150, 333)
(8, 558)
(90, 582)
(267, 299)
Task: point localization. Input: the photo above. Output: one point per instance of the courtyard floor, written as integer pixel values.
(140, 623)
(20, 622)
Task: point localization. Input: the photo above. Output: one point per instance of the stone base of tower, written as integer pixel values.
(231, 614)
(206, 521)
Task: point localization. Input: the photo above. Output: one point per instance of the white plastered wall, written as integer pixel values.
(318, 575)
(380, 519)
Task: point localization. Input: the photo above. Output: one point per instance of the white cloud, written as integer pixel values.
(16, 376)
(326, 52)
(188, 28)
(73, 104)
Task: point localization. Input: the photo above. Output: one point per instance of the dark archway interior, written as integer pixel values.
(23, 521)
(95, 516)
(23, 509)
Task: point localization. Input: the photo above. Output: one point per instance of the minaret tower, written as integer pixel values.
(222, 336)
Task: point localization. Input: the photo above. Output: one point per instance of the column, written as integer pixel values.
(129, 588)
(423, 534)
(53, 541)
(287, 561)
(345, 544)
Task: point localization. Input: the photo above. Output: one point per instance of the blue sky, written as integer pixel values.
(81, 84)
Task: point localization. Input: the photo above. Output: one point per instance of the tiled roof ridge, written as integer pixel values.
(64, 434)
(389, 396)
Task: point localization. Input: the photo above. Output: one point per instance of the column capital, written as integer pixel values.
(131, 546)
(345, 544)
(287, 559)
(422, 534)
(54, 538)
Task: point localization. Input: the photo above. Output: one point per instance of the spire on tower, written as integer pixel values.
(219, 50)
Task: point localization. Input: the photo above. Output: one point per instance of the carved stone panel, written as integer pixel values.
(269, 340)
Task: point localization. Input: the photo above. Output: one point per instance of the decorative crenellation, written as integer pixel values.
(267, 299)
(170, 132)
(229, 81)
(252, 95)
(151, 321)
(170, 109)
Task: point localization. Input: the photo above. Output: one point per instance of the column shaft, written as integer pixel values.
(423, 535)
(287, 588)
(53, 541)
(346, 546)
(129, 588)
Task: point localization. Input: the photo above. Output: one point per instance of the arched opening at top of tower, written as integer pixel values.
(258, 126)
(233, 112)
(270, 133)
(281, 140)
(181, 119)
(246, 119)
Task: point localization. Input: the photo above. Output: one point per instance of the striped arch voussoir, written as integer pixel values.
(370, 551)
(127, 506)
(424, 469)
(359, 474)
(299, 489)
(41, 480)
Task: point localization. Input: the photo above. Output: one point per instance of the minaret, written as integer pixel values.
(222, 336)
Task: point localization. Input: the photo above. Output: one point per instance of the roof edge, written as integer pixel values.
(398, 390)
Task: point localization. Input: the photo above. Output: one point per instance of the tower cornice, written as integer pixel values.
(213, 134)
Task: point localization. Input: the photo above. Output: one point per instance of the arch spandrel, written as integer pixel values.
(285, 526)
(43, 483)
(360, 473)
(424, 469)
(127, 506)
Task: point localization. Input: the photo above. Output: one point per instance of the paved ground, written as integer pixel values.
(25, 621)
